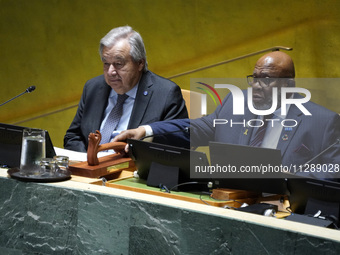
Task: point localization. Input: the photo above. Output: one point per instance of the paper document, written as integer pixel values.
(79, 156)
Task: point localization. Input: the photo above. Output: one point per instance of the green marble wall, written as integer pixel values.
(44, 219)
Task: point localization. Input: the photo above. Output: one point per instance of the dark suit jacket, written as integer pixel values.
(312, 134)
(157, 99)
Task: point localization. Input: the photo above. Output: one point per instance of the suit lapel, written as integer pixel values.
(100, 103)
(143, 96)
(288, 133)
(246, 130)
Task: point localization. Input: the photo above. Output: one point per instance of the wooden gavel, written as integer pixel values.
(94, 147)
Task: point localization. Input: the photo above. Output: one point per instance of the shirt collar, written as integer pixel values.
(131, 93)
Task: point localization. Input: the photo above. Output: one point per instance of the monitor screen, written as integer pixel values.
(164, 162)
(238, 156)
(307, 196)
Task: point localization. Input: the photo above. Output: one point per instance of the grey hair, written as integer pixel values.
(137, 50)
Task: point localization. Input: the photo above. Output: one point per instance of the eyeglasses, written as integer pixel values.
(264, 82)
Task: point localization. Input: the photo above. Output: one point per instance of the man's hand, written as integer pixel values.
(136, 133)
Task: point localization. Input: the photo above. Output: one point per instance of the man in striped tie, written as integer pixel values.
(126, 96)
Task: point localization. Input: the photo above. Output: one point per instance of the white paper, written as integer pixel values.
(78, 156)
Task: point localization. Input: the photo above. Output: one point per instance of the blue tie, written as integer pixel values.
(113, 119)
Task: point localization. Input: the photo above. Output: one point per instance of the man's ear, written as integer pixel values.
(141, 64)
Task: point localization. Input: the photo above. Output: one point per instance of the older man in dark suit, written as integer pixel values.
(126, 96)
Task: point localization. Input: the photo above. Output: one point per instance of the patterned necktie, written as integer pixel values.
(261, 131)
(113, 119)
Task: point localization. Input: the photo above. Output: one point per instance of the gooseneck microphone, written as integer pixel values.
(28, 90)
(337, 141)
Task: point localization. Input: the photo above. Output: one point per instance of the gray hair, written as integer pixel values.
(137, 50)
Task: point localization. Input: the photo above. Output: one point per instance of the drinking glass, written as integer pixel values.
(48, 167)
(62, 162)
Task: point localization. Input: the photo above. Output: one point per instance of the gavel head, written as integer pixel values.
(94, 147)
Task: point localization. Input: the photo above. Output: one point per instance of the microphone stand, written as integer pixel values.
(28, 90)
(318, 155)
(322, 152)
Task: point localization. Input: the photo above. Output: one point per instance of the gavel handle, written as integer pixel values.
(92, 158)
(116, 146)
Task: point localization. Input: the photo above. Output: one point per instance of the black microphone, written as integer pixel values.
(186, 130)
(28, 90)
(322, 152)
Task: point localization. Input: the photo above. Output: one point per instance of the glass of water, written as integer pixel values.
(32, 151)
(62, 162)
(48, 167)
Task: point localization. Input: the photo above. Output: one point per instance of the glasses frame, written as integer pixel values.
(263, 82)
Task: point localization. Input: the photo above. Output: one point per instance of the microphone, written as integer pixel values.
(186, 130)
(28, 90)
(322, 152)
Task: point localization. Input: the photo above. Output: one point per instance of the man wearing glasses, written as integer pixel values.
(306, 138)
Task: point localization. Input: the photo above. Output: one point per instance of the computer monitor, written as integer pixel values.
(245, 157)
(308, 195)
(10, 145)
(164, 164)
